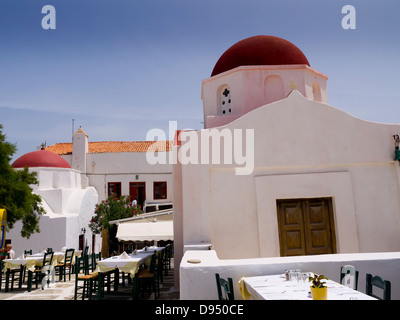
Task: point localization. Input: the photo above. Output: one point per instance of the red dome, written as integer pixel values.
(41, 158)
(259, 50)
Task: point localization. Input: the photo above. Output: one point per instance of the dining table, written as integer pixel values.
(154, 249)
(30, 263)
(128, 263)
(150, 249)
(277, 287)
(58, 256)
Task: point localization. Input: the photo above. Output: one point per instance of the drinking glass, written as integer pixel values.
(303, 281)
(294, 276)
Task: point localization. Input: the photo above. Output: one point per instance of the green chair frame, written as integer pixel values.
(377, 281)
(96, 257)
(90, 262)
(26, 253)
(167, 258)
(67, 264)
(224, 288)
(16, 274)
(83, 275)
(38, 272)
(160, 256)
(148, 279)
(108, 278)
(2, 263)
(349, 276)
(10, 272)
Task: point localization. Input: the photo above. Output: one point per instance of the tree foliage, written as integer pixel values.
(113, 208)
(15, 192)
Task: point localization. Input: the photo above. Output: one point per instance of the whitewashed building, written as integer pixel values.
(120, 167)
(279, 172)
(68, 204)
(74, 177)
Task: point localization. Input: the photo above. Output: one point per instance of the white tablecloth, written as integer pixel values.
(129, 265)
(30, 263)
(58, 256)
(150, 249)
(276, 287)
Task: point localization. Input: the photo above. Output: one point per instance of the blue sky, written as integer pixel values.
(120, 68)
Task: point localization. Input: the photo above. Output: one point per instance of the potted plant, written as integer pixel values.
(319, 290)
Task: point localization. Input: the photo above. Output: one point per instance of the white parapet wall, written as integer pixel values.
(198, 268)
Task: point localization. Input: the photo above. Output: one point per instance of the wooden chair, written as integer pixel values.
(26, 253)
(82, 275)
(225, 288)
(15, 273)
(148, 279)
(160, 266)
(96, 257)
(2, 263)
(349, 276)
(167, 258)
(378, 282)
(40, 272)
(90, 262)
(61, 268)
(110, 278)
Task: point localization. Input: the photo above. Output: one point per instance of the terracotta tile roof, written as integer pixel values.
(114, 146)
(60, 148)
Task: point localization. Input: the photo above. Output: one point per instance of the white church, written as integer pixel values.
(67, 200)
(280, 177)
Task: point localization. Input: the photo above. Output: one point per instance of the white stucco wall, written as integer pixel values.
(124, 167)
(250, 88)
(303, 149)
(99, 168)
(69, 208)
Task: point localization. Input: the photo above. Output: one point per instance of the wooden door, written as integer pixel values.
(81, 242)
(137, 191)
(306, 226)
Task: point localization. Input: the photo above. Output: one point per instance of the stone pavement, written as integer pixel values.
(65, 291)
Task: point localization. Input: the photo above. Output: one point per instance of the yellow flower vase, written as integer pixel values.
(319, 293)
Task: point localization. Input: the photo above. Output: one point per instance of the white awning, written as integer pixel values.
(146, 231)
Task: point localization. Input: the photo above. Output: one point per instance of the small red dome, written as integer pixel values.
(259, 50)
(41, 158)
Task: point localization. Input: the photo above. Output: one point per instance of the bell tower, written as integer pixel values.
(254, 72)
(80, 148)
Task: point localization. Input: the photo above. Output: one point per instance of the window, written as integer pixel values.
(225, 100)
(160, 190)
(114, 188)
